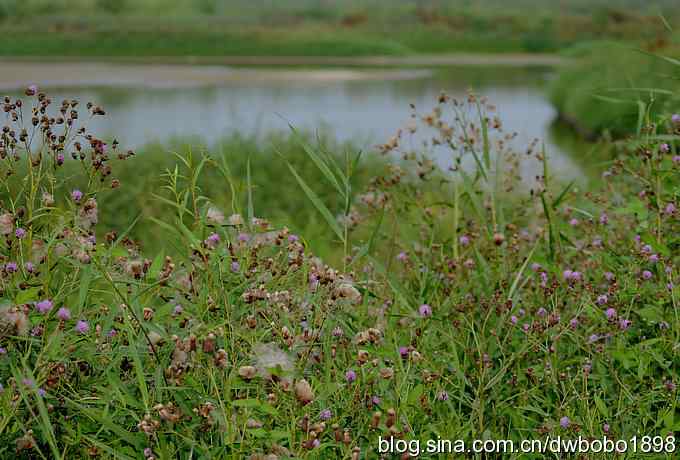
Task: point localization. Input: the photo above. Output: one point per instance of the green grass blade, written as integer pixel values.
(318, 161)
(318, 204)
(521, 271)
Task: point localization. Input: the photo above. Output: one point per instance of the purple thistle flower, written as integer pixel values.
(29, 267)
(611, 313)
(443, 396)
(535, 267)
(402, 256)
(513, 319)
(675, 118)
(32, 90)
(542, 312)
(60, 159)
(647, 249)
(177, 310)
(624, 324)
(44, 306)
(464, 240)
(403, 352)
(602, 299)
(664, 148)
(82, 327)
(593, 338)
(425, 310)
(350, 376)
(64, 314)
(325, 414)
(11, 267)
(609, 276)
(235, 267)
(20, 233)
(76, 195)
(605, 427)
(676, 159)
(654, 258)
(670, 209)
(243, 237)
(41, 392)
(375, 400)
(565, 422)
(604, 219)
(213, 240)
(646, 274)
(573, 323)
(573, 222)
(112, 333)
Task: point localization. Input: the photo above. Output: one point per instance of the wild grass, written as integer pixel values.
(467, 303)
(219, 28)
(611, 87)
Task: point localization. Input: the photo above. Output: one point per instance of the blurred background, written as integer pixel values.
(230, 76)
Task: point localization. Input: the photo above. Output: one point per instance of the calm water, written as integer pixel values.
(367, 111)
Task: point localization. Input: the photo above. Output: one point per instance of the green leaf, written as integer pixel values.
(27, 295)
(156, 266)
(521, 270)
(601, 406)
(85, 281)
(251, 206)
(562, 194)
(318, 204)
(318, 161)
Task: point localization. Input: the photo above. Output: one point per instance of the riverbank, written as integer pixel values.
(425, 60)
(78, 73)
(193, 71)
(613, 89)
(365, 29)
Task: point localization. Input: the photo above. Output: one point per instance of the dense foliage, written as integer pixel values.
(466, 302)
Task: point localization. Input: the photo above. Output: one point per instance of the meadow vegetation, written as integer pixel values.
(461, 302)
(91, 28)
(612, 89)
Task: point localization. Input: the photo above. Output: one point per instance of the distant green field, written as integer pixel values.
(317, 27)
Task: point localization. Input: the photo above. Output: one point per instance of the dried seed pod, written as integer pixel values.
(247, 372)
(304, 392)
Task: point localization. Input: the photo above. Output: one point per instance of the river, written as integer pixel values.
(157, 103)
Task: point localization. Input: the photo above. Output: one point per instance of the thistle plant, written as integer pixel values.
(470, 304)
